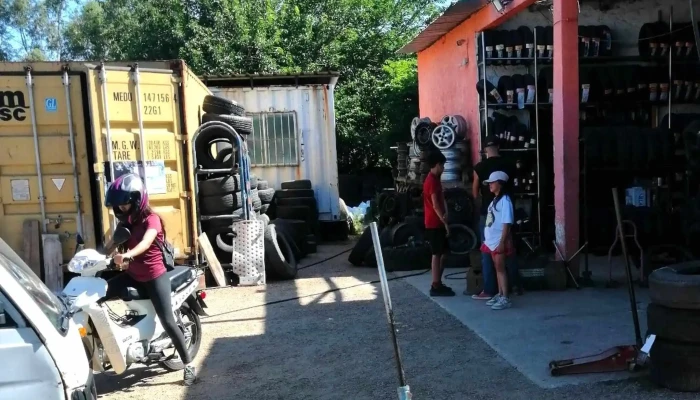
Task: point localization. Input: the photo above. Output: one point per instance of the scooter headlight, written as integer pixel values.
(78, 264)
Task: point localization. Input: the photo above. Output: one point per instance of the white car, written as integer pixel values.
(41, 350)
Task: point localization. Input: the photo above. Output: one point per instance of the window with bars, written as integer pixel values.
(274, 139)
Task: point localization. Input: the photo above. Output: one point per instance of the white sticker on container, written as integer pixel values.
(20, 189)
(58, 182)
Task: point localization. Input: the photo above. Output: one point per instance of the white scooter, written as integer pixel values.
(114, 342)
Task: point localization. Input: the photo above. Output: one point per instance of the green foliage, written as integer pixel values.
(376, 96)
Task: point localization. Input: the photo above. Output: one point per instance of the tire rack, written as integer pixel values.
(586, 273)
(243, 170)
(483, 125)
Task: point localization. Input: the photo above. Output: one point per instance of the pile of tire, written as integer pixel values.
(674, 317)
(213, 148)
(294, 210)
(266, 194)
(404, 247)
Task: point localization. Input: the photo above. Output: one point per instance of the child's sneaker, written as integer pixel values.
(501, 304)
(493, 300)
(482, 296)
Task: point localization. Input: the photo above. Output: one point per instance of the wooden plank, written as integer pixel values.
(31, 232)
(210, 256)
(53, 258)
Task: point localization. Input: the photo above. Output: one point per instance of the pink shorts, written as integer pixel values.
(509, 250)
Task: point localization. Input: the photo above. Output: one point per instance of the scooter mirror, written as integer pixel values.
(121, 235)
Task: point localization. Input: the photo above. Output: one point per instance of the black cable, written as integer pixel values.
(450, 276)
(324, 260)
(320, 293)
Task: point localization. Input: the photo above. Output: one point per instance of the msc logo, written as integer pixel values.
(12, 106)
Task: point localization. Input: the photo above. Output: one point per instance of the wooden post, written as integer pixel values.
(53, 258)
(31, 232)
(214, 264)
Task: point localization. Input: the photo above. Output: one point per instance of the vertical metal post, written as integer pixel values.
(486, 99)
(136, 76)
(37, 158)
(73, 155)
(108, 131)
(538, 144)
(404, 391)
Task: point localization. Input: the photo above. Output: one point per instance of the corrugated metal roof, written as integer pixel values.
(455, 14)
(271, 79)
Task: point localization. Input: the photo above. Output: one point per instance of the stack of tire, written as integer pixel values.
(222, 110)
(294, 210)
(266, 194)
(446, 137)
(421, 133)
(674, 317)
(402, 160)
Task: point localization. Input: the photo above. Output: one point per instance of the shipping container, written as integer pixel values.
(294, 133)
(58, 123)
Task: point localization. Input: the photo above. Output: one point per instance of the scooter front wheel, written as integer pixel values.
(192, 329)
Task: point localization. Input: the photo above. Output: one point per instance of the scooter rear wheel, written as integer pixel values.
(189, 317)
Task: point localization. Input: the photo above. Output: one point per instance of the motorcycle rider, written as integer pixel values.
(128, 198)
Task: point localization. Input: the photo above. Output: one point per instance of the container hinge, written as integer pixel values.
(98, 168)
(186, 195)
(181, 138)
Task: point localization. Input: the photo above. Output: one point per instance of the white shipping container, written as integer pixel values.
(293, 130)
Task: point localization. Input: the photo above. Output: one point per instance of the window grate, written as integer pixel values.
(274, 140)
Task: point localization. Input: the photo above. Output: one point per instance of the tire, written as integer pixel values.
(219, 186)
(202, 148)
(279, 258)
(220, 105)
(462, 239)
(674, 325)
(678, 254)
(419, 222)
(253, 181)
(264, 208)
(386, 236)
(266, 195)
(297, 230)
(263, 185)
(242, 125)
(309, 202)
(675, 366)
(287, 193)
(195, 341)
(406, 258)
(298, 184)
(457, 260)
(311, 246)
(364, 243)
(223, 158)
(676, 286)
(255, 198)
(370, 259)
(221, 204)
(296, 249)
(303, 213)
(401, 234)
(264, 218)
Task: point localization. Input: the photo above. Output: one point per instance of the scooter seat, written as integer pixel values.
(178, 276)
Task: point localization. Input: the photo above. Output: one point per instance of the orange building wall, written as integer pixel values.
(447, 73)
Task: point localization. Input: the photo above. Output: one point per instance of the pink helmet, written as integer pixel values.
(127, 189)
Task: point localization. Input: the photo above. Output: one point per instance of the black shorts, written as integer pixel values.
(438, 241)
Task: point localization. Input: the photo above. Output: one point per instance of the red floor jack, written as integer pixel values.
(619, 358)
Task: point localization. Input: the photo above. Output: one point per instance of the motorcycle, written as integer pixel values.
(114, 342)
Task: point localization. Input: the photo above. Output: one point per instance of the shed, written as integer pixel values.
(293, 129)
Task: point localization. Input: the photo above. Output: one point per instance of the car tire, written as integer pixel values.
(220, 204)
(675, 366)
(262, 185)
(279, 256)
(219, 105)
(364, 243)
(299, 184)
(676, 286)
(673, 324)
(219, 186)
(266, 195)
(287, 193)
(242, 125)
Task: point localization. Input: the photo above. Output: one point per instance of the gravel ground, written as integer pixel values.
(336, 346)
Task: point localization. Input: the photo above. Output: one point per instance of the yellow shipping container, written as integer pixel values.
(146, 110)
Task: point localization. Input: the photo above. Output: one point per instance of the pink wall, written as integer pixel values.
(447, 73)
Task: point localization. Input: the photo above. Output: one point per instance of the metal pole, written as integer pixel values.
(142, 140)
(76, 182)
(404, 391)
(108, 130)
(628, 269)
(37, 157)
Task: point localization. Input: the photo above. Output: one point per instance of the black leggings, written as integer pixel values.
(159, 292)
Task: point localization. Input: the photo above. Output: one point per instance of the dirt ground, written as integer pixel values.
(290, 340)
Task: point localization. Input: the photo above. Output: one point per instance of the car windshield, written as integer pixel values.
(48, 302)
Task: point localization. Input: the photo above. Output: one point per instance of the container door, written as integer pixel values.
(42, 120)
(136, 117)
(33, 374)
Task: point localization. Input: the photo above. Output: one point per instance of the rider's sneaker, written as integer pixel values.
(190, 376)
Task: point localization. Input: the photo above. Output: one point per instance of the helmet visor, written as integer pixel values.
(117, 198)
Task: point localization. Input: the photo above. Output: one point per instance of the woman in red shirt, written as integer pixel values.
(128, 197)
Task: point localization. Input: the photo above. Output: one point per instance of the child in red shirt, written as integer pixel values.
(436, 227)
